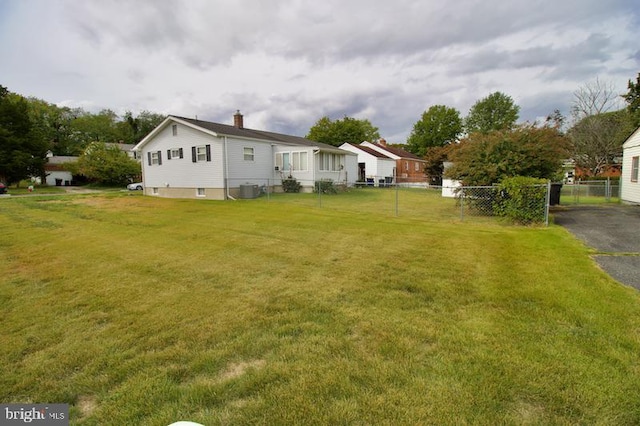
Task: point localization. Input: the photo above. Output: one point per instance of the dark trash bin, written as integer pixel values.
(554, 194)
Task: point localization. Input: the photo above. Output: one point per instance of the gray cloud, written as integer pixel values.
(285, 64)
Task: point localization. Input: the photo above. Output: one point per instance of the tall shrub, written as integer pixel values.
(521, 199)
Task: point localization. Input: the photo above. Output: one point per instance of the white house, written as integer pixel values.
(187, 158)
(629, 184)
(409, 167)
(55, 170)
(373, 166)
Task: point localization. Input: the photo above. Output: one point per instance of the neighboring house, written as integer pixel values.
(373, 167)
(630, 186)
(125, 147)
(409, 167)
(187, 158)
(56, 171)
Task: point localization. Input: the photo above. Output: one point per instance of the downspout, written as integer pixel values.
(315, 165)
(226, 170)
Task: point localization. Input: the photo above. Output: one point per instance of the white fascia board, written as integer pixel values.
(635, 136)
(163, 125)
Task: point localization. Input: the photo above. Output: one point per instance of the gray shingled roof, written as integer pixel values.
(225, 129)
(399, 152)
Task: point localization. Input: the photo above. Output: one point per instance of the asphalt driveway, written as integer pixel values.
(614, 231)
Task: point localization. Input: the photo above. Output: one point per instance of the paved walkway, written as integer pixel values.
(614, 231)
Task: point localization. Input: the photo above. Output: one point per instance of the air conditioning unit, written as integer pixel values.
(249, 191)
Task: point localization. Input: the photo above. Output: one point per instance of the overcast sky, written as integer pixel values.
(287, 63)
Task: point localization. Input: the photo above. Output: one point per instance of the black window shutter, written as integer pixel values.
(194, 157)
(149, 157)
(159, 158)
(168, 154)
(208, 149)
(181, 155)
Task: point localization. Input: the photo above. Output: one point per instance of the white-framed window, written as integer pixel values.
(634, 169)
(406, 165)
(174, 153)
(417, 166)
(329, 162)
(174, 130)
(248, 154)
(155, 158)
(299, 161)
(200, 192)
(201, 153)
(292, 161)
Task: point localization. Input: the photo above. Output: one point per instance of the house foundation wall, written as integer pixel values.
(170, 192)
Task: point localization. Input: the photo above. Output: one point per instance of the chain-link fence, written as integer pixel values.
(591, 192)
(408, 199)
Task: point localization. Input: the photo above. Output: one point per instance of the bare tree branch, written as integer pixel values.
(593, 98)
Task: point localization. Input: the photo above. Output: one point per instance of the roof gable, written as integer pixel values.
(397, 151)
(633, 140)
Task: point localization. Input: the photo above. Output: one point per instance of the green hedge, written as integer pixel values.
(521, 199)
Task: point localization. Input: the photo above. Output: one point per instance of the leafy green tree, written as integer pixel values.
(106, 164)
(100, 127)
(488, 158)
(136, 128)
(495, 112)
(337, 132)
(633, 100)
(53, 125)
(435, 157)
(597, 139)
(438, 126)
(22, 151)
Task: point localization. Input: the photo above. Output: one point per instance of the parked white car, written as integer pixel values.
(136, 186)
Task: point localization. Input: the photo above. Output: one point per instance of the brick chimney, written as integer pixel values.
(237, 120)
(382, 142)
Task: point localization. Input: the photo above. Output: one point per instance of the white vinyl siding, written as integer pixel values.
(629, 181)
(184, 173)
(248, 154)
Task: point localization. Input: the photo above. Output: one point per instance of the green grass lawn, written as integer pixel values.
(144, 311)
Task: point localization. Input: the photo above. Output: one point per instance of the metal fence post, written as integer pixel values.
(462, 204)
(397, 190)
(548, 201)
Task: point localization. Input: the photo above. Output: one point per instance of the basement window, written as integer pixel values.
(200, 192)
